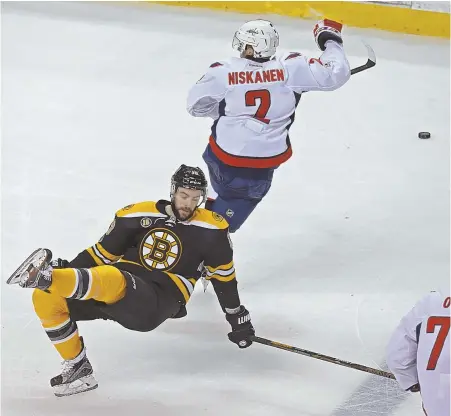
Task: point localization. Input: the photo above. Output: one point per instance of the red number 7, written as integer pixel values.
(264, 96)
(444, 323)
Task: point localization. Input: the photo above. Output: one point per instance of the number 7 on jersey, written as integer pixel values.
(264, 98)
(444, 323)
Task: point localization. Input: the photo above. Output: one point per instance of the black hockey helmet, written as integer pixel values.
(191, 178)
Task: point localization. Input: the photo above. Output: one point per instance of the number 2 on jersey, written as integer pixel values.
(264, 97)
(443, 322)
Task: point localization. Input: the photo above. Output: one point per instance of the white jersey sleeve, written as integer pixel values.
(419, 352)
(327, 73)
(204, 97)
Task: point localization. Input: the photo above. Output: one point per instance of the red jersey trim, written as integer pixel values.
(249, 162)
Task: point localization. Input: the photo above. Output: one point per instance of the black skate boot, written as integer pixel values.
(35, 271)
(76, 376)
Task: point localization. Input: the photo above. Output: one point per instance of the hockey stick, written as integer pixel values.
(322, 357)
(369, 63)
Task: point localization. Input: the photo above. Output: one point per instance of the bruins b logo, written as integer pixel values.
(161, 249)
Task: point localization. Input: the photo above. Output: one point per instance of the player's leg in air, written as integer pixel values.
(64, 296)
(236, 191)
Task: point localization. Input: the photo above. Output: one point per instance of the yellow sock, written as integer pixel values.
(53, 312)
(102, 283)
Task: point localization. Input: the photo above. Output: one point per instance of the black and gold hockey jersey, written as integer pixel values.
(146, 236)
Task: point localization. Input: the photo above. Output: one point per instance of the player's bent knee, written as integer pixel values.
(39, 298)
(234, 227)
(47, 305)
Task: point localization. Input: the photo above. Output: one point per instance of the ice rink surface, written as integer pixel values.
(354, 230)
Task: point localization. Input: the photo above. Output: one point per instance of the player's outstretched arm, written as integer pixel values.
(327, 73)
(220, 271)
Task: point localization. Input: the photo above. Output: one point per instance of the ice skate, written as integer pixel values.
(35, 271)
(76, 377)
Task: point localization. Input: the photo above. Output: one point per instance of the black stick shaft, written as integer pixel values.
(369, 64)
(322, 357)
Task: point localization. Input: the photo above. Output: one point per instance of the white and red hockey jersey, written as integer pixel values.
(419, 351)
(253, 103)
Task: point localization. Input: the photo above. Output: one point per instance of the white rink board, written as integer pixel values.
(433, 6)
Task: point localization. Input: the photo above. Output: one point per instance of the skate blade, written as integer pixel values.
(78, 386)
(15, 277)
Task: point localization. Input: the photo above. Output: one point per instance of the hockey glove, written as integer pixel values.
(326, 30)
(59, 264)
(242, 328)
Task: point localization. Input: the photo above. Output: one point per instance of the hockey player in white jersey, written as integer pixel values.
(419, 350)
(252, 100)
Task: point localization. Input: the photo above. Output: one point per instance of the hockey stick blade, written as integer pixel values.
(369, 63)
(322, 357)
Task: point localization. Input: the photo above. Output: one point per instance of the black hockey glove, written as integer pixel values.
(242, 328)
(59, 264)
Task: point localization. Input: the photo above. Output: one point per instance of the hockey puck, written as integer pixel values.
(424, 135)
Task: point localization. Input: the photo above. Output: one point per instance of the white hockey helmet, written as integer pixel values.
(260, 34)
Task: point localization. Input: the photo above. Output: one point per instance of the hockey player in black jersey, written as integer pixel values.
(140, 273)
